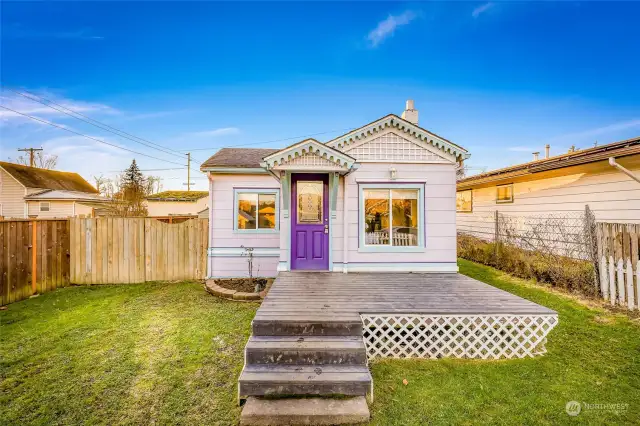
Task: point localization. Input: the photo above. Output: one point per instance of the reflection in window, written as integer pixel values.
(504, 193)
(391, 217)
(266, 211)
(256, 210)
(464, 201)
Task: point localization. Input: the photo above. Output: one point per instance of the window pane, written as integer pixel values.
(310, 199)
(505, 193)
(463, 201)
(247, 211)
(405, 217)
(266, 211)
(376, 216)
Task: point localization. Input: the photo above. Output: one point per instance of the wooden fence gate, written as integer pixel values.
(619, 263)
(132, 250)
(34, 257)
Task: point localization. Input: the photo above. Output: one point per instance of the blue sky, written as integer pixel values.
(499, 78)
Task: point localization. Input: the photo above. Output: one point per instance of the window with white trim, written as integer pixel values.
(256, 210)
(391, 217)
(44, 206)
(504, 193)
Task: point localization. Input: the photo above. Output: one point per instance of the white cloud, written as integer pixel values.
(585, 136)
(386, 28)
(31, 107)
(224, 131)
(481, 9)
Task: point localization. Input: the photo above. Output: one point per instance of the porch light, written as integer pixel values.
(393, 173)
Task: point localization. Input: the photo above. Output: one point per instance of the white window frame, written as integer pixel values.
(510, 200)
(48, 209)
(257, 191)
(368, 248)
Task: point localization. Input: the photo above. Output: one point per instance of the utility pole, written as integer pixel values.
(188, 171)
(30, 151)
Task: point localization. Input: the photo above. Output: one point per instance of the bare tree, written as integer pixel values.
(40, 160)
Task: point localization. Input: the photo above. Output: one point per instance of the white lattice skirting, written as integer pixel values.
(456, 336)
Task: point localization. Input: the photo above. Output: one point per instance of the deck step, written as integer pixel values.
(311, 350)
(304, 411)
(269, 326)
(270, 380)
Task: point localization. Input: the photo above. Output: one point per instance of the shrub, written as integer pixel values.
(558, 271)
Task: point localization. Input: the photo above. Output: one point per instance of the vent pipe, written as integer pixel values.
(536, 156)
(547, 148)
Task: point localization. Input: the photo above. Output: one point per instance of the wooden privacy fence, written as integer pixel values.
(34, 257)
(113, 250)
(619, 266)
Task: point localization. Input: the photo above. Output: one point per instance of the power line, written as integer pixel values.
(88, 137)
(93, 122)
(272, 141)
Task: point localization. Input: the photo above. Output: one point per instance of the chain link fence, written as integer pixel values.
(556, 248)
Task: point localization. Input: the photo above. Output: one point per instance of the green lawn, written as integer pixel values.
(170, 353)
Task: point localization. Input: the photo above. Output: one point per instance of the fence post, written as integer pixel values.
(592, 244)
(34, 257)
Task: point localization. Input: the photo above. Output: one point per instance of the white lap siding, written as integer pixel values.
(438, 222)
(11, 196)
(225, 243)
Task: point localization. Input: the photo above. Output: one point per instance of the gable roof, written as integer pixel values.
(312, 146)
(237, 157)
(33, 177)
(583, 156)
(393, 120)
(178, 196)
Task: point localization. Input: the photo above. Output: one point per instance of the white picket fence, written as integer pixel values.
(619, 265)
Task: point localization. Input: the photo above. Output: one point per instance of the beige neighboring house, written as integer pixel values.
(177, 203)
(31, 192)
(560, 184)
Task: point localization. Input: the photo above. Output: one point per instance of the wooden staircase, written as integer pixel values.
(302, 358)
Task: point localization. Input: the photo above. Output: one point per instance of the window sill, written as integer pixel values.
(390, 249)
(256, 231)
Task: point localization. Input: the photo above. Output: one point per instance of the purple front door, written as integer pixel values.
(310, 221)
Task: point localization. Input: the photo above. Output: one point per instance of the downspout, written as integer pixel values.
(612, 162)
(345, 220)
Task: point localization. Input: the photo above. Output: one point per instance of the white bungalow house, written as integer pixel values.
(379, 198)
(31, 192)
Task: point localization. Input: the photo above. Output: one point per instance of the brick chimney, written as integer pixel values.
(410, 113)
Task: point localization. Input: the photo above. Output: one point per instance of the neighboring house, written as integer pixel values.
(559, 184)
(176, 203)
(31, 192)
(379, 198)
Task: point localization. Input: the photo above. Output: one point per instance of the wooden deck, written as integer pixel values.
(299, 296)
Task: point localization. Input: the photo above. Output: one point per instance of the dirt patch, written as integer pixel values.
(245, 285)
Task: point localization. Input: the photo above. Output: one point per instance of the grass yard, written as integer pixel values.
(170, 353)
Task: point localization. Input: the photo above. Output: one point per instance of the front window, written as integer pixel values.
(256, 210)
(391, 217)
(44, 206)
(504, 193)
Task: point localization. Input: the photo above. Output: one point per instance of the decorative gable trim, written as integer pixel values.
(393, 121)
(388, 146)
(300, 152)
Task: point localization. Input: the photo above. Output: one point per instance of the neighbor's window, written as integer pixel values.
(391, 217)
(256, 210)
(504, 193)
(44, 206)
(464, 201)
